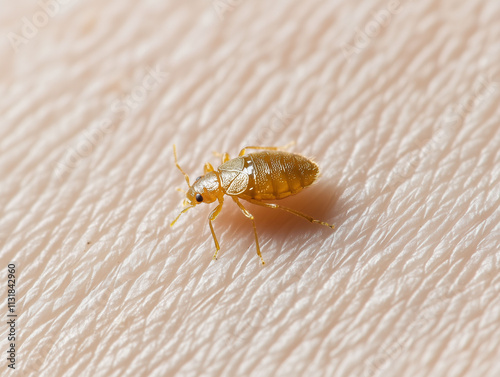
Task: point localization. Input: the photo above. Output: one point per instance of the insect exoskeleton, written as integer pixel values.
(268, 173)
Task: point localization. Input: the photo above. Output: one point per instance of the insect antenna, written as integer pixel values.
(178, 167)
(179, 215)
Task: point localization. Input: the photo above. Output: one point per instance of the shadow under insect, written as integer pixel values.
(280, 226)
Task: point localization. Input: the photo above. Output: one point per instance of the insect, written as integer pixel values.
(268, 173)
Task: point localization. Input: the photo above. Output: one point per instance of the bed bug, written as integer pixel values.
(268, 173)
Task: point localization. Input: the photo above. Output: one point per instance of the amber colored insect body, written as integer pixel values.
(269, 174)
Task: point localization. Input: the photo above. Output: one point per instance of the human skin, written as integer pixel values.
(402, 118)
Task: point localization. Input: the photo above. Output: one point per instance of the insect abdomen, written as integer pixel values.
(278, 174)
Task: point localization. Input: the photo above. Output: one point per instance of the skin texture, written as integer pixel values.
(402, 118)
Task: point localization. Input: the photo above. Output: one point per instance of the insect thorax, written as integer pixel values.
(235, 174)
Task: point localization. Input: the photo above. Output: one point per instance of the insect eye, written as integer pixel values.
(198, 177)
(199, 198)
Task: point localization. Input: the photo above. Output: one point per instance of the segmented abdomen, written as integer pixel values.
(277, 174)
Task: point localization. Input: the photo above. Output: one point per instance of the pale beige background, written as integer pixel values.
(405, 128)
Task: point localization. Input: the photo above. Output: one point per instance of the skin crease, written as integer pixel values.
(402, 119)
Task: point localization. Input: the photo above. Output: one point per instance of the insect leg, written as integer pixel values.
(250, 216)
(208, 168)
(224, 156)
(211, 218)
(242, 152)
(307, 217)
